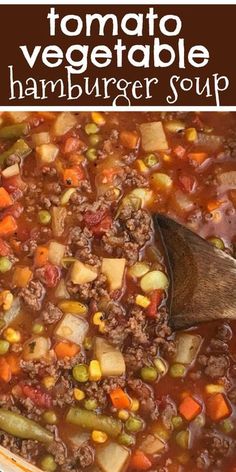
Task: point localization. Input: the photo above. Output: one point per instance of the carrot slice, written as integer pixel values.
(8, 226)
(217, 407)
(139, 461)
(198, 157)
(63, 349)
(41, 256)
(5, 370)
(5, 198)
(14, 363)
(72, 177)
(129, 139)
(120, 399)
(189, 408)
(214, 204)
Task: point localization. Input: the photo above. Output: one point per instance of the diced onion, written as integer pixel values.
(187, 347)
(41, 138)
(56, 252)
(73, 328)
(36, 348)
(61, 290)
(64, 122)
(174, 126)
(161, 181)
(153, 137)
(110, 359)
(112, 457)
(139, 269)
(11, 171)
(47, 153)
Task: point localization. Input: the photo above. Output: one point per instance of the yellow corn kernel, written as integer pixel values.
(97, 318)
(101, 327)
(166, 158)
(79, 394)
(123, 415)
(95, 373)
(49, 381)
(191, 134)
(141, 166)
(134, 404)
(142, 301)
(99, 436)
(214, 388)
(12, 336)
(72, 306)
(6, 299)
(98, 118)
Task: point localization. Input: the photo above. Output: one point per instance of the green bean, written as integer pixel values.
(20, 148)
(91, 420)
(90, 404)
(21, 427)
(14, 131)
(151, 160)
(44, 217)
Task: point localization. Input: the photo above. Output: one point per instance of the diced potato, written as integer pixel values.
(139, 269)
(182, 201)
(154, 280)
(152, 445)
(64, 122)
(58, 220)
(82, 273)
(114, 270)
(18, 116)
(47, 153)
(73, 328)
(22, 276)
(112, 457)
(56, 252)
(227, 179)
(41, 138)
(174, 126)
(111, 359)
(153, 137)
(161, 181)
(187, 347)
(36, 348)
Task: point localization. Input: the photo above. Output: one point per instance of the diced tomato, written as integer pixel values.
(49, 275)
(93, 218)
(155, 299)
(179, 151)
(37, 396)
(102, 227)
(5, 249)
(11, 183)
(187, 183)
(139, 461)
(71, 144)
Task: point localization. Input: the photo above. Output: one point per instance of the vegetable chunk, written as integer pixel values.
(153, 137)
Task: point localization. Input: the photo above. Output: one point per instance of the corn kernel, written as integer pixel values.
(12, 336)
(166, 158)
(99, 436)
(73, 306)
(214, 388)
(134, 404)
(141, 166)
(102, 326)
(95, 373)
(6, 299)
(49, 381)
(79, 394)
(98, 118)
(142, 301)
(97, 318)
(123, 415)
(191, 134)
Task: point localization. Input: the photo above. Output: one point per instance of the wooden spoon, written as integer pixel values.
(203, 278)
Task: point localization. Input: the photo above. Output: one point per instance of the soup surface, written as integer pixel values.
(91, 377)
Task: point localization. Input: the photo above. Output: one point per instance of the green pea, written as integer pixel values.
(94, 139)
(37, 328)
(126, 439)
(91, 128)
(5, 264)
(217, 242)
(90, 404)
(182, 439)
(91, 154)
(149, 374)
(177, 370)
(48, 463)
(80, 373)
(134, 424)
(151, 160)
(227, 426)
(44, 217)
(50, 417)
(4, 346)
(177, 422)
